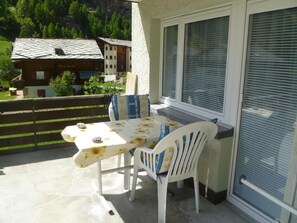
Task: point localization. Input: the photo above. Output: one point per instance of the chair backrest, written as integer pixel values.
(129, 107)
(186, 144)
(131, 83)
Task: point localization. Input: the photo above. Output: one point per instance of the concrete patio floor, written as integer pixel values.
(46, 186)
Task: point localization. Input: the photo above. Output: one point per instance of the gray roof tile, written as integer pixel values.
(116, 42)
(44, 49)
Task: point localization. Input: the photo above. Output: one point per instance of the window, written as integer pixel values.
(40, 75)
(194, 61)
(115, 48)
(110, 57)
(115, 66)
(110, 48)
(169, 61)
(110, 66)
(115, 57)
(204, 67)
(106, 66)
(83, 75)
(106, 48)
(106, 57)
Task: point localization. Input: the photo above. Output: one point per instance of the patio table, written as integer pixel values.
(117, 137)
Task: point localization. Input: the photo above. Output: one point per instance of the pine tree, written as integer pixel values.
(27, 28)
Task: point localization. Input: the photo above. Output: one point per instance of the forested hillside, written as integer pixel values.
(65, 18)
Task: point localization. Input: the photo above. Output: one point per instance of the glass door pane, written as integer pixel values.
(269, 111)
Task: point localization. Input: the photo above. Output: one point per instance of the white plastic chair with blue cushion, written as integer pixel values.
(128, 107)
(181, 150)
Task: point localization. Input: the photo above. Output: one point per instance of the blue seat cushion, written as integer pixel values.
(130, 106)
(163, 160)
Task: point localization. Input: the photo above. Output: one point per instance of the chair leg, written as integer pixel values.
(162, 199)
(135, 174)
(196, 188)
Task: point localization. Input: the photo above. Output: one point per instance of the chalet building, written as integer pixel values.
(42, 59)
(117, 55)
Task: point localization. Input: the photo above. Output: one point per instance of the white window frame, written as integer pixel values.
(181, 22)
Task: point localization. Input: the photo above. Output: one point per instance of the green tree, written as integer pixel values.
(3, 15)
(7, 69)
(51, 30)
(74, 33)
(39, 14)
(62, 85)
(44, 32)
(27, 28)
(74, 11)
(22, 9)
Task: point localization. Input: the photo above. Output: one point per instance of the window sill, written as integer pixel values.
(183, 117)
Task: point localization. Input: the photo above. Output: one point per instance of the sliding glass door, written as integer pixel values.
(266, 154)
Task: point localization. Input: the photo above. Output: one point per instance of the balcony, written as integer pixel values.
(44, 184)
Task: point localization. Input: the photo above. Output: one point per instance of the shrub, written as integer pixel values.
(95, 86)
(62, 85)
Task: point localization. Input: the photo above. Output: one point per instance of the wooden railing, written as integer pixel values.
(35, 124)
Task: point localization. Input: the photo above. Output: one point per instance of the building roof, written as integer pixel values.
(47, 49)
(116, 42)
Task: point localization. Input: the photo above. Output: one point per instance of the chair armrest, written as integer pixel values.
(144, 158)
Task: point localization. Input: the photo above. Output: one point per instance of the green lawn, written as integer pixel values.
(3, 46)
(4, 95)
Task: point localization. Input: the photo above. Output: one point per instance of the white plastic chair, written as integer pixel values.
(188, 143)
(112, 117)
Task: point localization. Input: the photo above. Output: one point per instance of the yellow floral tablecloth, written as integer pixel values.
(117, 137)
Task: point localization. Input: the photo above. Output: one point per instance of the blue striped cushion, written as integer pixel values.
(164, 158)
(130, 106)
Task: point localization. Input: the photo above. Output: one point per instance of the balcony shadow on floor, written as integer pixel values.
(35, 157)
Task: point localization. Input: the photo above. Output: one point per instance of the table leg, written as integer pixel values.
(99, 177)
(127, 162)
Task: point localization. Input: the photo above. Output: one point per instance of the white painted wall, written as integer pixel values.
(31, 91)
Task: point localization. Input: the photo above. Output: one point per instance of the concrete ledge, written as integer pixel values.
(182, 117)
